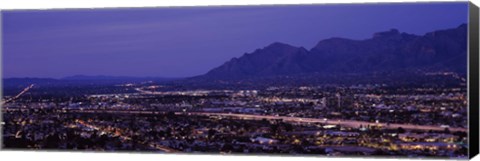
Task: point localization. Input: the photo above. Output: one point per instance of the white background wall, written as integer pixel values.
(83, 156)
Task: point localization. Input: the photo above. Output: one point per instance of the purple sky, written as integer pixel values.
(186, 41)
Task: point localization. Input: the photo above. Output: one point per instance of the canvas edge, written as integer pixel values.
(1, 78)
(473, 80)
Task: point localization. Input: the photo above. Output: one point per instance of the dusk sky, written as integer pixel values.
(189, 41)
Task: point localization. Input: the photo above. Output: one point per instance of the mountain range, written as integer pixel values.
(385, 52)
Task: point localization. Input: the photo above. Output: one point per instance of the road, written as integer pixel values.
(345, 123)
(25, 90)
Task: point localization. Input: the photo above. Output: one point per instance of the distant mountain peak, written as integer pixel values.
(463, 25)
(389, 33)
(280, 45)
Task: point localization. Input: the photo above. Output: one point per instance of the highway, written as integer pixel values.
(25, 90)
(345, 123)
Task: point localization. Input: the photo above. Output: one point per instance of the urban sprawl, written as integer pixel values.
(363, 119)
